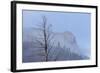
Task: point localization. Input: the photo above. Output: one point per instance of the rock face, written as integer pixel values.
(64, 47)
(66, 40)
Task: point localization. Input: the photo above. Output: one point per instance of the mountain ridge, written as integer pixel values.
(67, 41)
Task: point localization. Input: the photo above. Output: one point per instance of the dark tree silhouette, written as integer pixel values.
(46, 36)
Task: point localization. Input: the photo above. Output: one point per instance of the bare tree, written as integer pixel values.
(45, 36)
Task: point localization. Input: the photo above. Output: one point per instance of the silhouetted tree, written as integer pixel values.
(46, 36)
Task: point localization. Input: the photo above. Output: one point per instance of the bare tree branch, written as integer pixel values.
(45, 37)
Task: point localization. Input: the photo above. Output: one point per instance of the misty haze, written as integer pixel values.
(55, 36)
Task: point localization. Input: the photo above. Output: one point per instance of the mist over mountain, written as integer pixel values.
(64, 46)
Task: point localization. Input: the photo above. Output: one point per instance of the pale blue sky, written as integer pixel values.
(77, 23)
